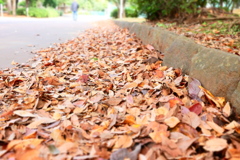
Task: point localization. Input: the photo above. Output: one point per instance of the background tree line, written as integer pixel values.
(152, 9)
(96, 5)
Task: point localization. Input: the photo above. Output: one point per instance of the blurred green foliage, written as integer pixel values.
(156, 9)
(130, 12)
(39, 12)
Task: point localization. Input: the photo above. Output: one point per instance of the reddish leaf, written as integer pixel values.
(84, 78)
(196, 108)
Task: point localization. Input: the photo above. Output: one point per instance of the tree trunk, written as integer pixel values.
(1, 10)
(14, 7)
(27, 3)
(121, 8)
(221, 3)
(9, 6)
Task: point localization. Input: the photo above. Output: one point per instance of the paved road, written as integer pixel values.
(21, 37)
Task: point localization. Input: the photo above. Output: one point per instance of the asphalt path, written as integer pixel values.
(20, 38)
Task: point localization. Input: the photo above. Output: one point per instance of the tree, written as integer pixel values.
(50, 3)
(11, 6)
(31, 3)
(179, 9)
(120, 4)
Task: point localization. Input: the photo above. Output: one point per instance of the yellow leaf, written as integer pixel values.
(129, 78)
(161, 111)
(219, 101)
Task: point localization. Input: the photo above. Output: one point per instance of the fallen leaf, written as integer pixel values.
(171, 121)
(186, 130)
(219, 101)
(196, 108)
(216, 127)
(227, 110)
(130, 85)
(20, 144)
(53, 149)
(158, 130)
(23, 113)
(193, 88)
(150, 47)
(159, 74)
(192, 119)
(170, 148)
(84, 78)
(232, 125)
(124, 154)
(162, 111)
(114, 101)
(215, 144)
(129, 119)
(174, 102)
(57, 137)
(123, 142)
(96, 98)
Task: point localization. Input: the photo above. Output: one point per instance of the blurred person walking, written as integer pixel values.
(74, 8)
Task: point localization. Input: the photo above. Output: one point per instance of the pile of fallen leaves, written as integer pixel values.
(105, 95)
(211, 35)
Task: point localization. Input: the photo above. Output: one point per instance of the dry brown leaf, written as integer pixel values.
(158, 131)
(114, 101)
(227, 110)
(170, 148)
(23, 113)
(232, 125)
(130, 85)
(215, 144)
(171, 121)
(124, 141)
(130, 119)
(192, 119)
(39, 121)
(219, 101)
(96, 98)
(20, 144)
(186, 130)
(56, 135)
(216, 127)
(162, 111)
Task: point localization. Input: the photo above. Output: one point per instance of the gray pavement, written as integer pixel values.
(20, 38)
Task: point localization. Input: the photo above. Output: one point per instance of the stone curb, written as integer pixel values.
(218, 71)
